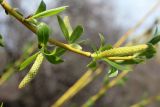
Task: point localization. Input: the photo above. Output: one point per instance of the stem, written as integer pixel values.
(103, 90)
(20, 18)
(147, 101)
(79, 85)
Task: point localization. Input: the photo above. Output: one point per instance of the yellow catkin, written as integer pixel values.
(33, 71)
(122, 51)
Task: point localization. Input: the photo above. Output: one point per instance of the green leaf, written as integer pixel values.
(1, 41)
(92, 64)
(113, 72)
(28, 61)
(63, 28)
(105, 47)
(68, 25)
(43, 33)
(32, 72)
(149, 52)
(1, 104)
(76, 46)
(41, 8)
(48, 13)
(76, 34)
(52, 57)
(156, 37)
(59, 51)
(155, 40)
(115, 65)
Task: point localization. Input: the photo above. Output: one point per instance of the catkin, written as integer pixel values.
(122, 51)
(33, 71)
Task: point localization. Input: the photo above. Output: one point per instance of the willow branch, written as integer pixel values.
(33, 28)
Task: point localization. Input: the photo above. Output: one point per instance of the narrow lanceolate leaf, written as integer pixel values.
(113, 72)
(63, 28)
(115, 65)
(76, 34)
(68, 25)
(156, 37)
(48, 13)
(92, 64)
(155, 40)
(1, 41)
(106, 47)
(53, 57)
(33, 71)
(41, 8)
(28, 61)
(43, 34)
(59, 51)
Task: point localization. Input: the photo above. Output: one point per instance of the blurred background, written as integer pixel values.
(110, 17)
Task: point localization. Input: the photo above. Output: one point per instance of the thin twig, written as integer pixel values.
(147, 101)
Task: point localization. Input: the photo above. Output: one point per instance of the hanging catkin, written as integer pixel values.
(33, 71)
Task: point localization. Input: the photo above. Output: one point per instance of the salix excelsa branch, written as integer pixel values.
(116, 58)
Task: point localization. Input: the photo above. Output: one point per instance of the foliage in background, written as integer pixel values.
(118, 59)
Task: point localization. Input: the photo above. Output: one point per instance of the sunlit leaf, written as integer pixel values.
(76, 34)
(43, 33)
(28, 61)
(1, 41)
(115, 65)
(68, 25)
(113, 72)
(41, 8)
(63, 28)
(48, 13)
